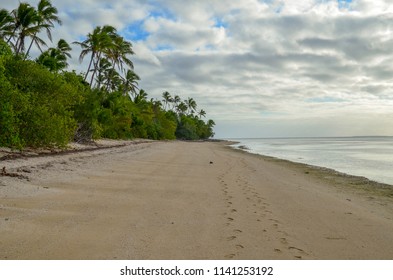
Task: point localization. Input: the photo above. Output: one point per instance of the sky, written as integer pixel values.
(267, 68)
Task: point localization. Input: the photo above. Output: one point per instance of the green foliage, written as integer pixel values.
(5, 50)
(192, 128)
(10, 107)
(41, 105)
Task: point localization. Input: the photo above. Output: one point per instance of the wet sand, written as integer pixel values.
(188, 200)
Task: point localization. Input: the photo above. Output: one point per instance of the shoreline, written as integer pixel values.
(358, 178)
(123, 203)
(329, 174)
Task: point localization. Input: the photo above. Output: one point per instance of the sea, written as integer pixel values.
(370, 157)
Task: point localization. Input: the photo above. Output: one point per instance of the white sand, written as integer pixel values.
(164, 200)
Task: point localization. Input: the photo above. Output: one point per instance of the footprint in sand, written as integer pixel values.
(298, 250)
(230, 219)
(230, 256)
(238, 246)
(283, 240)
(230, 238)
(237, 230)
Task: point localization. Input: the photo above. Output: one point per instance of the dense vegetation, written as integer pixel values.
(44, 105)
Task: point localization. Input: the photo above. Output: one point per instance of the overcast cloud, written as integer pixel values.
(259, 68)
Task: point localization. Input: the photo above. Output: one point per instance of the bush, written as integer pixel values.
(39, 107)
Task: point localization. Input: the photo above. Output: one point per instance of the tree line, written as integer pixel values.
(42, 104)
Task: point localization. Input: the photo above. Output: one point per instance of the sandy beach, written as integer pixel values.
(187, 200)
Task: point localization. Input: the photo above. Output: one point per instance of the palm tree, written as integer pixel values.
(24, 25)
(5, 23)
(191, 104)
(181, 108)
(55, 59)
(130, 83)
(47, 16)
(201, 113)
(113, 80)
(175, 101)
(103, 67)
(167, 98)
(119, 51)
(141, 96)
(97, 43)
(64, 48)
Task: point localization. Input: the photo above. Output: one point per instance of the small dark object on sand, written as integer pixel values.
(211, 162)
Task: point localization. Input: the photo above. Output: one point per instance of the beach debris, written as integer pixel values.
(211, 162)
(24, 169)
(9, 174)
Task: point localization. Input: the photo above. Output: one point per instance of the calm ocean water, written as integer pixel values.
(370, 157)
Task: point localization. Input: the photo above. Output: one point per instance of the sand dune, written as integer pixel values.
(186, 200)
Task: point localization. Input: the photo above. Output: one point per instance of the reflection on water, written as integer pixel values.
(370, 157)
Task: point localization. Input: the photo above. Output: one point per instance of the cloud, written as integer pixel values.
(278, 67)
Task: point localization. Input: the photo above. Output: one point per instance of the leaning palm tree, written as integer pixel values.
(47, 16)
(97, 43)
(24, 25)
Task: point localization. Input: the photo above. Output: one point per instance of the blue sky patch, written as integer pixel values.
(220, 23)
(136, 31)
(344, 4)
(162, 12)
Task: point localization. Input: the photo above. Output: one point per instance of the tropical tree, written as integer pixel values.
(55, 59)
(167, 98)
(175, 102)
(24, 25)
(5, 23)
(47, 17)
(103, 67)
(130, 83)
(201, 113)
(118, 53)
(191, 105)
(140, 96)
(97, 43)
(113, 80)
(181, 108)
